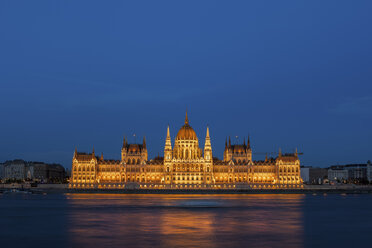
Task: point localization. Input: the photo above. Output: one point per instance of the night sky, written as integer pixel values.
(288, 73)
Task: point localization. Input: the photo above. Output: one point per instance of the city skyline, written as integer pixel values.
(133, 137)
(292, 75)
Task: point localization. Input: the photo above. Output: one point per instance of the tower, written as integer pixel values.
(228, 153)
(124, 150)
(144, 150)
(249, 150)
(168, 147)
(207, 147)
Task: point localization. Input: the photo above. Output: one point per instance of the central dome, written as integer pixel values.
(186, 132)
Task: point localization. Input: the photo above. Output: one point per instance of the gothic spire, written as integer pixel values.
(168, 143)
(144, 142)
(186, 119)
(207, 139)
(124, 142)
(207, 146)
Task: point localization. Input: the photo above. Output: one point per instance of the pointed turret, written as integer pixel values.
(207, 138)
(248, 143)
(102, 156)
(227, 155)
(266, 159)
(144, 142)
(75, 152)
(186, 119)
(124, 150)
(93, 154)
(168, 142)
(296, 153)
(168, 147)
(207, 146)
(124, 142)
(280, 152)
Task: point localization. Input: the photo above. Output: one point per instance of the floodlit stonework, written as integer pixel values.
(185, 166)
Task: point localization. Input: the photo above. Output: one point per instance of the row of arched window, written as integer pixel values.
(83, 168)
(289, 169)
(134, 161)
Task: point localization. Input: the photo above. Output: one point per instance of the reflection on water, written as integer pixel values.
(185, 220)
(57, 220)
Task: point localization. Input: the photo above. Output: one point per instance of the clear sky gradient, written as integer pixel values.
(288, 73)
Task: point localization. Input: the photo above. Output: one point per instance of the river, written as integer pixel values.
(119, 220)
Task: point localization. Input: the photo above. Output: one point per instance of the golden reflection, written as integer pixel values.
(262, 220)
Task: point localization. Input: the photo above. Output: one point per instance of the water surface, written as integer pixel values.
(117, 220)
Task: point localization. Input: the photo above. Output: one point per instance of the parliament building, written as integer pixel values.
(185, 166)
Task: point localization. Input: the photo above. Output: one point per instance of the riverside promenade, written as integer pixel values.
(307, 189)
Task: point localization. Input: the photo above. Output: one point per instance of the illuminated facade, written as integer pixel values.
(185, 166)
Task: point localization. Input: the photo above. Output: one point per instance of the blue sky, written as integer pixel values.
(288, 73)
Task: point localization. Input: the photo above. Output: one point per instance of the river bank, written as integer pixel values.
(307, 189)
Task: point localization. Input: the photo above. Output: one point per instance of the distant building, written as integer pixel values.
(354, 173)
(15, 169)
(313, 175)
(317, 175)
(305, 173)
(338, 173)
(357, 172)
(36, 171)
(29, 172)
(369, 171)
(40, 171)
(55, 173)
(2, 171)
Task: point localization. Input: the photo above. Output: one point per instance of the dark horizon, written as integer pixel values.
(288, 74)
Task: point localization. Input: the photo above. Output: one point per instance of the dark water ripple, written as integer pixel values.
(110, 220)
